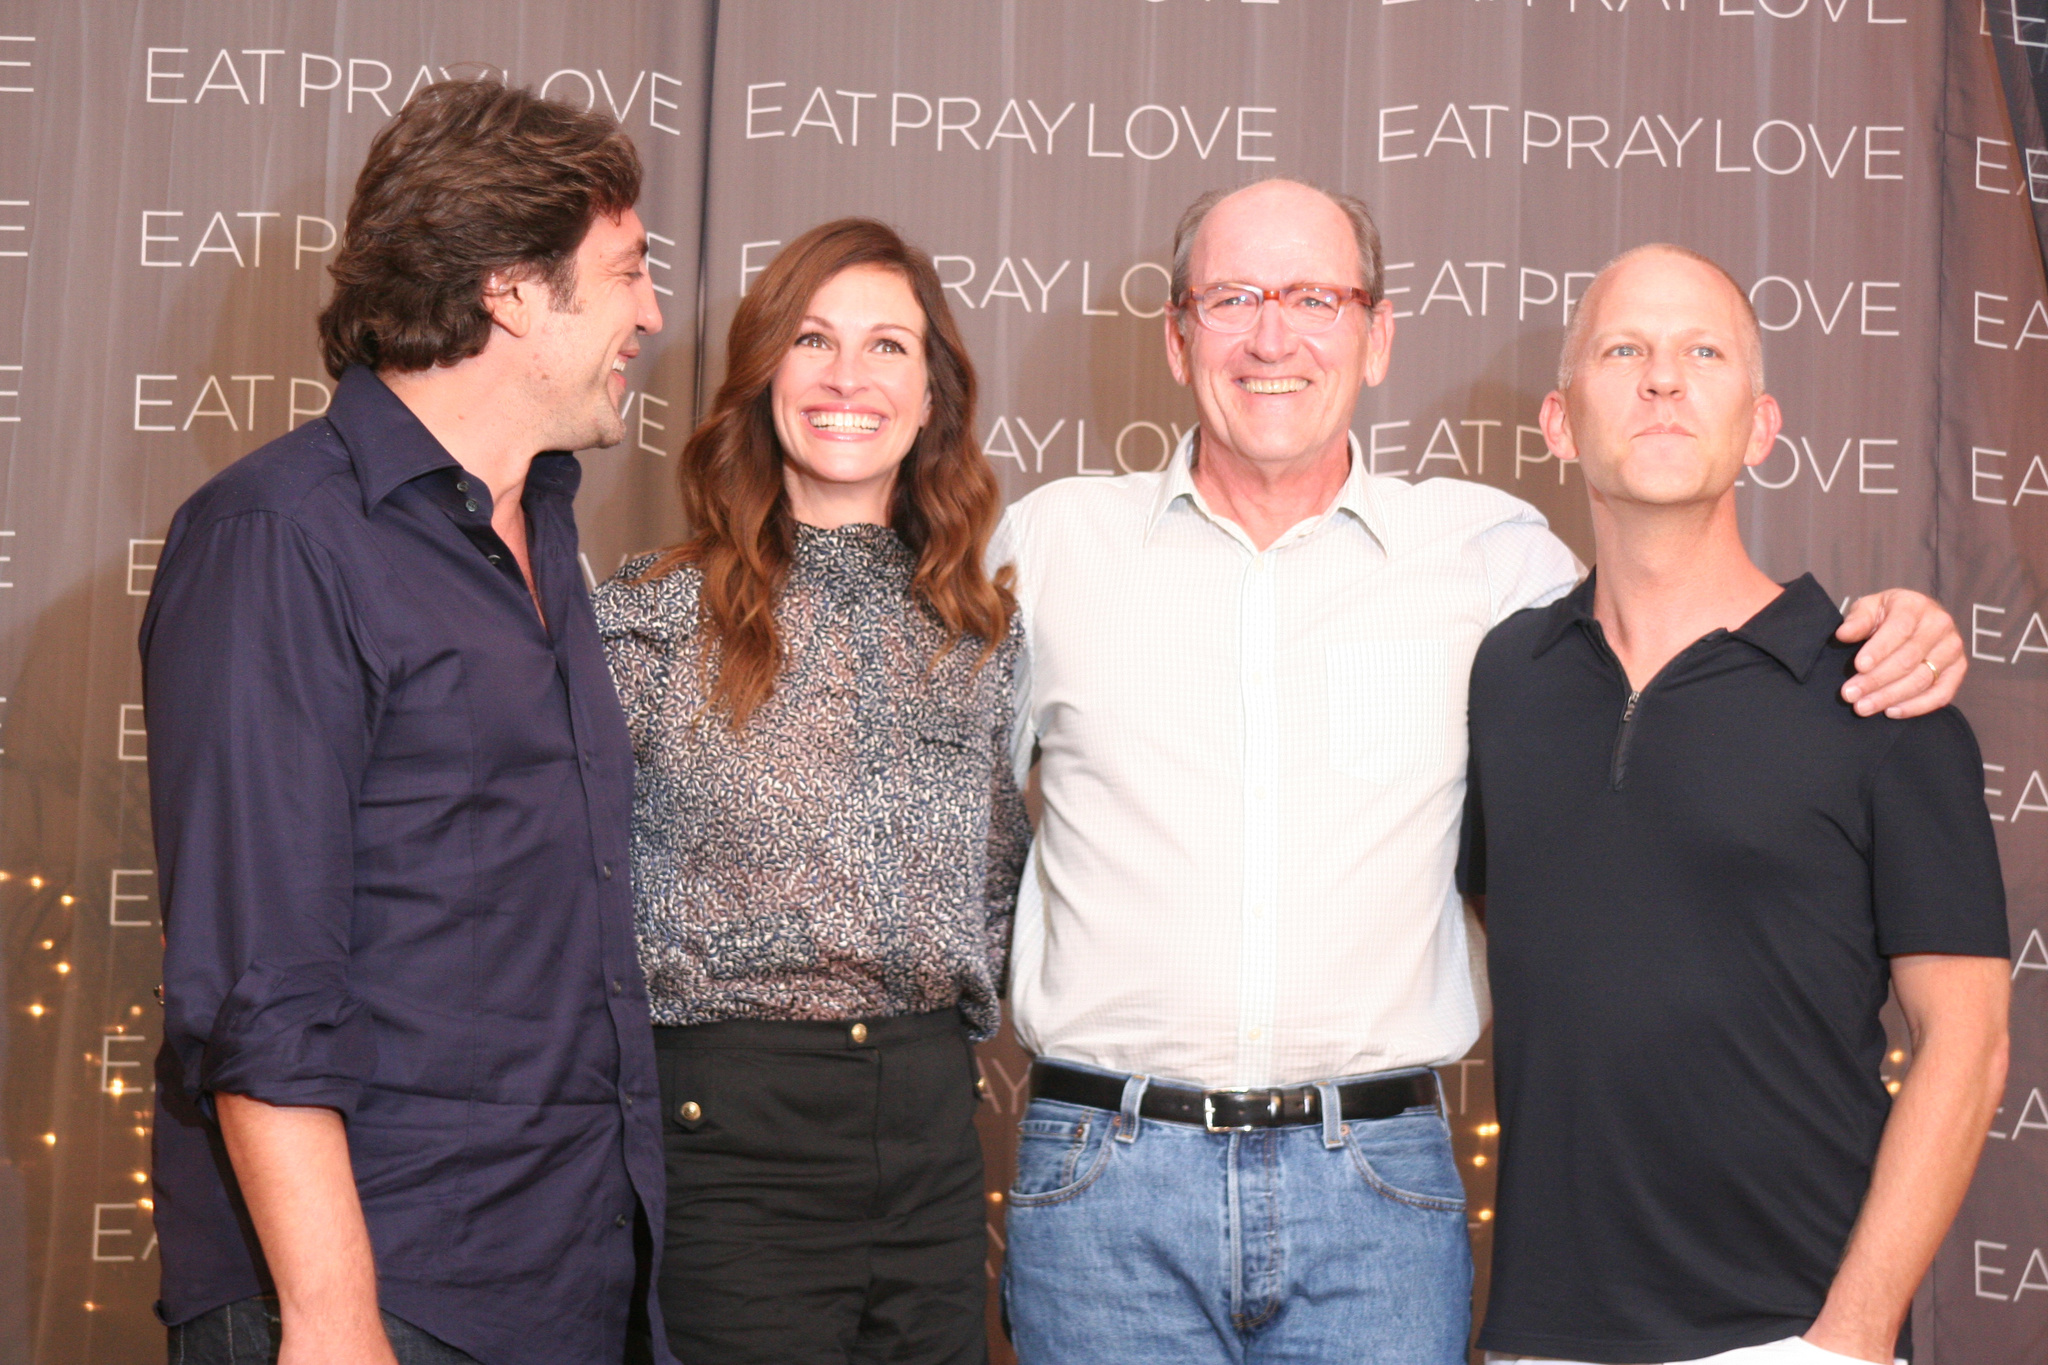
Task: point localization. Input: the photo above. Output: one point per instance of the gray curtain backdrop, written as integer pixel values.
(173, 173)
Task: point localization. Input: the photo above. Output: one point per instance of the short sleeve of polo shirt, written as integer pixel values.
(1934, 875)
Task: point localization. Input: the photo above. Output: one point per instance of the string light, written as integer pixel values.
(1892, 1086)
(149, 1204)
(91, 1307)
(6, 876)
(48, 944)
(135, 1010)
(36, 882)
(1488, 1129)
(67, 900)
(140, 1131)
(142, 1177)
(35, 1011)
(49, 1139)
(1479, 1160)
(1898, 1055)
(114, 1087)
(1486, 1215)
(63, 969)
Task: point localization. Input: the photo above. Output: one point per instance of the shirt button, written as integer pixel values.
(691, 1111)
(469, 504)
(493, 559)
(619, 1221)
(462, 485)
(859, 1033)
(628, 1100)
(617, 987)
(607, 871)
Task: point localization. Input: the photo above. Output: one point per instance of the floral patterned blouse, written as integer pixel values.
(854, 852)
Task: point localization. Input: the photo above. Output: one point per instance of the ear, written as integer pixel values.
(512, 303)
(924, 416)
(1176, 346)
(1379, 341)
(1556, 421)
(1763, 431)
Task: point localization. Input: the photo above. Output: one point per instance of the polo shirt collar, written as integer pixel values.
(1793, 628)
(389, 446)
(1355, 496)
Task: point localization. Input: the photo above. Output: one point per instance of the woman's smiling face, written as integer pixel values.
(851, 395)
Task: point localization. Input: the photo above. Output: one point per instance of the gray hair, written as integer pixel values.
(1582, 316)
(1371, 275)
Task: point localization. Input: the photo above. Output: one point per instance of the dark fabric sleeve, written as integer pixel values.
(1935, 880)
(258, 703)
(1472, 837)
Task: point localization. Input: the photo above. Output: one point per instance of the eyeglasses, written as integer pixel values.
(1306, 308)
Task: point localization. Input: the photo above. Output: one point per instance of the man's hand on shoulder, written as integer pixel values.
(1912, 660)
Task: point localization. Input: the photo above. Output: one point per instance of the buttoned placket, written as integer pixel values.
(1257, 969)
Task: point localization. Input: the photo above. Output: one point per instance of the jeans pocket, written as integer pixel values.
(1408, 1159)
(1060, 1153)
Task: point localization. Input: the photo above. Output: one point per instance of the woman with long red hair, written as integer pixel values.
(827, 832)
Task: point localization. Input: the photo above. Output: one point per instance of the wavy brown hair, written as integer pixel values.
(471, 178)
(945, 502)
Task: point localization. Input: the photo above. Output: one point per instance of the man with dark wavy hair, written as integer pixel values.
(406, 1101)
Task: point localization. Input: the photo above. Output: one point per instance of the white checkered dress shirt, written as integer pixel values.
(1253, 766)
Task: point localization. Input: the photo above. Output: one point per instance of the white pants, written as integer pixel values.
(1790, 1351)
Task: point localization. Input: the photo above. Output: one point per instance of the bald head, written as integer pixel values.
(1280, 200)
(1711, 277)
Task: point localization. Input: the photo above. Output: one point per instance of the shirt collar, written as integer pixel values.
(1354, 496)
(1793, 628)
(390, 446)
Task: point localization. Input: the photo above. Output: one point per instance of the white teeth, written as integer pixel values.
(844, 421)
(620, 364)
(1275, 385)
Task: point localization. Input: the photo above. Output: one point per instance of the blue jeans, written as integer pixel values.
(245, 1332)
(1142, 1241)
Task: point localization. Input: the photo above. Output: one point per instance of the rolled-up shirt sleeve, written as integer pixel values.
(260, 698)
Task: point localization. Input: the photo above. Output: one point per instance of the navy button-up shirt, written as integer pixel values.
(391, 814)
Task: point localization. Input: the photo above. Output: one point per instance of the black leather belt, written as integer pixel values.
(1223, 1111)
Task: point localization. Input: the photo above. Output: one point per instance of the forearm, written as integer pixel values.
(292, 1165)
(1923, 1168)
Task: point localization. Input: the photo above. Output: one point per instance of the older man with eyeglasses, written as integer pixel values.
(1239, 950)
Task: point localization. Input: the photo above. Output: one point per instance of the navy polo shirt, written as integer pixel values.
(390, 810)
(1691, 896)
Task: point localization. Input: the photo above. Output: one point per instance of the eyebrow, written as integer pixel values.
(813, 320)
(628, 254)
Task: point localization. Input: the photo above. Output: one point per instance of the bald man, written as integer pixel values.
(1239, 953)
(1702, 871)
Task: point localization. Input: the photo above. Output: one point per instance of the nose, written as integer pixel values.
(647, 316)
(1271, 338)
(1663, 377)
(847, 372)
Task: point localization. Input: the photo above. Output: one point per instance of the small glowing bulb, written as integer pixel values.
(1898, 1055)
(147, 1203)
(91, 1307)
(1479, 1160)
(36, 882)
(6, 876)
(140, 1131)
(995, 1196)
(48, 944)
(142, 1177)
(1486, 1215)
(63, 969)
(67, 900)
(135, 1010)
(35, 1011)
(114, 1087)
(49, 1139)
(1892, 1086)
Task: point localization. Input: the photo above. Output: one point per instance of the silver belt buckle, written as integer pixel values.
(1209, 1111)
